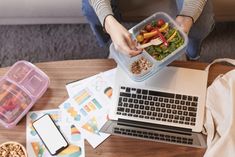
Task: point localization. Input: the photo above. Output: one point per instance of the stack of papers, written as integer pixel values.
(80, 117)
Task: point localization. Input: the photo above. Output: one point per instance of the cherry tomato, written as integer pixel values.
(160, 22)
(149, 27)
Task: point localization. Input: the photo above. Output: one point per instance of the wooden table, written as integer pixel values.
(63, 72)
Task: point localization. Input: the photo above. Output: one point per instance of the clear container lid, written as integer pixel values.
(136, 67)
(20, 88)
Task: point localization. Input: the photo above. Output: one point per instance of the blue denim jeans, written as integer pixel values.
(199, 31)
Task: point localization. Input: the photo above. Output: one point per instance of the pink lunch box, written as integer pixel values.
(20, 88)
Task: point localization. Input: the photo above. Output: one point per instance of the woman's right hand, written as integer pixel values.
(121, 37)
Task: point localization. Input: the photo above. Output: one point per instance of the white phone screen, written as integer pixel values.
(49, 134)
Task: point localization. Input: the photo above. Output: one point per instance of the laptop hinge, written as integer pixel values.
(152, 126)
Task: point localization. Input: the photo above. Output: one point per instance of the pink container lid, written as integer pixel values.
(20, 88)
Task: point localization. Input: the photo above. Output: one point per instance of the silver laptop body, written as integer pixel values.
(167, 107)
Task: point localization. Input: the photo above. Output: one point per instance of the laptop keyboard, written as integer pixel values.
(153, 136)
(155, 105)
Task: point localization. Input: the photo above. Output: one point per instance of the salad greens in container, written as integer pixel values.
(154, 57)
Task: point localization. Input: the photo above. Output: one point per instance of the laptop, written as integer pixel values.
(167, 107)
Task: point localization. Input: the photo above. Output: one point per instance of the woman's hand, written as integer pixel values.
(121, 37)
(184, 22)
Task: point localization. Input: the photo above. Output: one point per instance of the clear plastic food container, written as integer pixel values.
(20, 88)
(142, 66)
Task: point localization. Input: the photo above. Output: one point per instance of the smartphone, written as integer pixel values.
(50, 135)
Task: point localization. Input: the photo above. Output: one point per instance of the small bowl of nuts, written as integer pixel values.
(12, 149)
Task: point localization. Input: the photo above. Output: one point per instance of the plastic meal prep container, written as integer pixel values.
(20, 88)
(126, 62)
